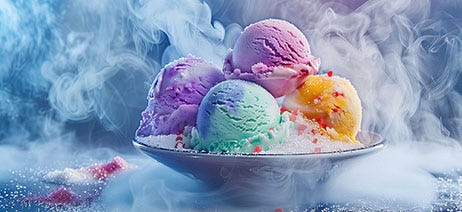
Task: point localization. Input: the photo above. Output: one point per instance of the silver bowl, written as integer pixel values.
(245, 170)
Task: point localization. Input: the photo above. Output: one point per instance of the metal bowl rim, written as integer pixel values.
(194, 153)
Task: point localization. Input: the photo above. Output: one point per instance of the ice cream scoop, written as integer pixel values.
(331, 101)
(233, 115)
(274, 54)
(175, 95)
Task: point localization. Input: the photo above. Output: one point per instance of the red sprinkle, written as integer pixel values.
(322, 123)
(180, 143)
(283, 109)
(296, 111)
(179, 132)
(315, 140)
(313, 131)
(179, 138)
(336, 109)
(317, 149)
(336, 94)
(294, 114)
(279, 210)
(257, 149)
(330, 73)
(301, 128)
(271, 128)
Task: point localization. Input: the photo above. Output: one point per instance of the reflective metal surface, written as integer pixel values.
(218, 168)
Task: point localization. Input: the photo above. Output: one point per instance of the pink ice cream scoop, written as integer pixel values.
(274, 54)
(175, 95)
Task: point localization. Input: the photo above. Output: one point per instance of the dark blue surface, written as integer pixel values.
(74, 76)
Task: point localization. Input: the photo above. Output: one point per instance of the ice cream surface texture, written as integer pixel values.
(331, 101)
(235, 116)
(175, 95)
(195, 106)
(274, 54)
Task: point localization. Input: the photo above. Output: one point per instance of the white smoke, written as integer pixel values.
(78, 72)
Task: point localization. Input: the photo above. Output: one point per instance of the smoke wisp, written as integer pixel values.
(74, 76)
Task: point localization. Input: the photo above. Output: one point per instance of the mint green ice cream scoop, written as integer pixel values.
(236, 116)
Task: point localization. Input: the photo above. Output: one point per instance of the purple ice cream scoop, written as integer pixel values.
(175, 95)
(274, 54)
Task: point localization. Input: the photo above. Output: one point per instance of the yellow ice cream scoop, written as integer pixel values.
(331, 101)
